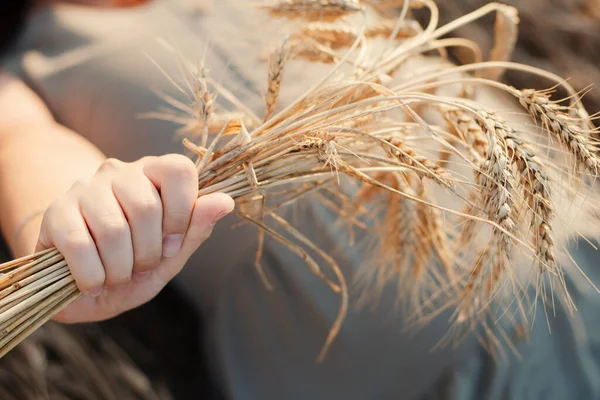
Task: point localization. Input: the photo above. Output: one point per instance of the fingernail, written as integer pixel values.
(141, 276)
(172, 245)
(95, 292)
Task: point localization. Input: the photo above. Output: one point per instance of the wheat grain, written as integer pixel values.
(394, 3)
(421, 165)
(355, 126)
(203, 102)
(275, 75)
(313, 10)
(193, 128)
(430, 253)
(386, 28)
(497, 183)
(333, 36)
(536, 186)
(566, 128)
(312, 51)
(392, 255)
(467, 130)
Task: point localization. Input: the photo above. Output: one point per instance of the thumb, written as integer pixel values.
(208, 210)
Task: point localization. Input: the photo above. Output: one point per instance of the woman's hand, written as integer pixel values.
(128, 230)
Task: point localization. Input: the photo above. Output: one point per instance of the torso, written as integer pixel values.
(91, 69)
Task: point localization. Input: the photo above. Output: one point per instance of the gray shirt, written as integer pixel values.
(92, 70)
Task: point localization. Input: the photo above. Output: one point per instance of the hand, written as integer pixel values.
(128, 230)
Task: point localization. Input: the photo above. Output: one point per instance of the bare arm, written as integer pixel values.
(125, 229)
(39, 161)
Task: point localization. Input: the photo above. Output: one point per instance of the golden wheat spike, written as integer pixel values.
(313, 10)
(434, 170)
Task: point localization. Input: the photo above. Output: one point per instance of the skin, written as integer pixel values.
(125, 229)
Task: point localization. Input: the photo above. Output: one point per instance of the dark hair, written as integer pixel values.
(12, 16)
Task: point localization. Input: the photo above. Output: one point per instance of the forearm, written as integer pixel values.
(39, 160)
(35, 168)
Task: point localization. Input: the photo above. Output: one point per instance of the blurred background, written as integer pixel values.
(153, 352)
(561, 36)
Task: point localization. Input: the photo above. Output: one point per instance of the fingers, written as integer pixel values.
(176, 178)
(208, 210)
(63, 226)
(128, 220)
(110, 231)
(142, 207)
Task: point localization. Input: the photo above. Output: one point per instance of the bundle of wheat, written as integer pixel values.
(464, 205)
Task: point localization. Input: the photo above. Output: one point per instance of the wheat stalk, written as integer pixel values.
(569, 130)
(313, 10)
(535, 182)
(497, 201)
(389, 28)
(276, 65)
(449, 191)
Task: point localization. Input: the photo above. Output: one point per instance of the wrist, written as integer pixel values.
(25, 236)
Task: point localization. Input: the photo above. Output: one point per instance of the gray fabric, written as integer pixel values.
(562, 365)
(90, 68)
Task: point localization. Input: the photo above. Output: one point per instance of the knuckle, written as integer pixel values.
(75, 242)
(118, 265)
(80, 186)
(181, 167)
(118, 277)
(147, 262)
(110, 164)
(145, 159)
(178, 220)
(78, 245)
(52, 212)
(90, 281)
(113, 228)
(147, 208)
